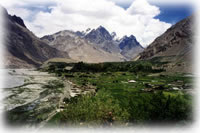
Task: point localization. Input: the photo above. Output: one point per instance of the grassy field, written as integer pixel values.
(126, 93)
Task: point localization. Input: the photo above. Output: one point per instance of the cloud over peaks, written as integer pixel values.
(75, 15)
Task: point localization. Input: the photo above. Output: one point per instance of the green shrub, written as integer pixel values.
(94, 110)
(160, 108)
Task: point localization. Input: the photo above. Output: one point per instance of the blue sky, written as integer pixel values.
(168, 12)
(173, 14)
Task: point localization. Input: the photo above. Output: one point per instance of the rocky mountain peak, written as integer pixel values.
(98, 35)
(128, 41)
(17, 20)
(14, 18)
(104, 33)
(101, 28)
(128, 38)
(132, 37)
(130, 47)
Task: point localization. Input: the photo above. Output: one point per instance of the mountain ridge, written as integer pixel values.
(174, 46)
(101, 39)
(22, 48)
(78, 48)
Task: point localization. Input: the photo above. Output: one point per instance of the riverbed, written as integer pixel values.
(31, 96)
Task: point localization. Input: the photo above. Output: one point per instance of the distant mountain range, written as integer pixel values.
(98, 45)
(174, 46)
(79, 48)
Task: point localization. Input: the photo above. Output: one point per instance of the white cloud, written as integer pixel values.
(75, 15)
(142, 7)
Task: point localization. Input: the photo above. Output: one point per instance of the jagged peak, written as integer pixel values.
(100, 27)
(129, 40)
(13, 18)
(101, 32)
(132, 36)
(128, 37)
(17, 19)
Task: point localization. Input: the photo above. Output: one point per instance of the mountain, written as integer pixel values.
(174, 46)
(22, 48)
(103, 39)
(94, 45)
(99, 35)
(130, 47)
(79, 48)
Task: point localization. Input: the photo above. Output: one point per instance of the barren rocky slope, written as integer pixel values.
(174, 46)
(22, 48)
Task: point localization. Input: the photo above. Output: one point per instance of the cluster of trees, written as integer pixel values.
(103, 109)
(140, 66)
(160, 108)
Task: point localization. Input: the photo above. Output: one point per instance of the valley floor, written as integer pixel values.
(97, 95)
